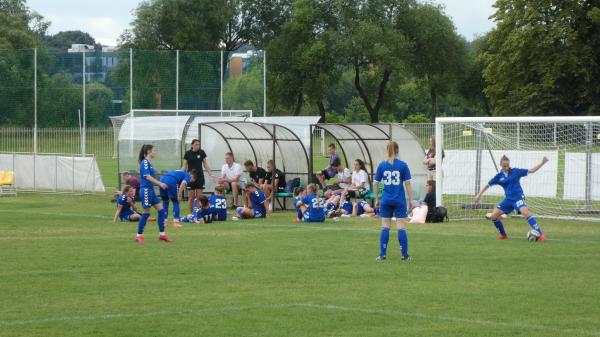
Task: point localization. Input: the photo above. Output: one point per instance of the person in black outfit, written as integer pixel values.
(430, 200)
(277, 180)
(194, 159)
(257, 175)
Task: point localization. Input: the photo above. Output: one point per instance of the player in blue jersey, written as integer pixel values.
(126, 208)
(312, 205)
(514, 198)
(298, 195)
(176, 182)
(260, 204)
(363, 209)
(394, 174)
(148, 196)
(204, 213)
(218, 204)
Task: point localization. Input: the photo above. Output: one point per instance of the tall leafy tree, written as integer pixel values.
(544, 58)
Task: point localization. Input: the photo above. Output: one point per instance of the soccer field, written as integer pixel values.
(68, 270)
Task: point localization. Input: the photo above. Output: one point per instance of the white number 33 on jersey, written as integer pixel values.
(391, 177)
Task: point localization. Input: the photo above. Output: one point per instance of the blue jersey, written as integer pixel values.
(146, 169)
(218, 207)
(393, 177)
(257, 198)
(347, 206)
(315, 209)
(203, 213)
(510, 183)
(176, 177)
(124, 202)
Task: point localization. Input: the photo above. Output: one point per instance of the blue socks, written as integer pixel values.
(166, 207)
(533, 223)
(142, 223)
(499, 226)
(175, 211)
(383, 241)
(403, 240)
(161, 220)
(299, 213)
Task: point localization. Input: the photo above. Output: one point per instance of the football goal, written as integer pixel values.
(568, 186)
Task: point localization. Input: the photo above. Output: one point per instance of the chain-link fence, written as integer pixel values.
(81, 88)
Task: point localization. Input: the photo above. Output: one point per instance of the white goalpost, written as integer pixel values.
(568, 186)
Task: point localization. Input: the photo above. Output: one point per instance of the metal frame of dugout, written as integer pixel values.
(368, 141)
(259, 142)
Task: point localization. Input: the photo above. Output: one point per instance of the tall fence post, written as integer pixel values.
(265, 84)
(35, 147)
(177, 82)
(221, 91)
(83, 151)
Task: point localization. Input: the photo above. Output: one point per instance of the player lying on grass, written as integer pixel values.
(311, 205)
(363, 209)
(260, 204)
(514, 198)
(176, 182)
(298, 195)
(126, 208)
(147, 195)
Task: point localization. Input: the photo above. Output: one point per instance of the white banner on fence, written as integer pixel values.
(53, 172)
(575, 172)
(459, 170)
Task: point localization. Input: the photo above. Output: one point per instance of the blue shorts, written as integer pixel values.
(260, 213)
(171, 191)
(361, 207)
(508, 206)
(388, 209)
(148, 197)
(306, 217)
(124, 216)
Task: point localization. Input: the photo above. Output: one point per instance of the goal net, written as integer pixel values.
(568, 186)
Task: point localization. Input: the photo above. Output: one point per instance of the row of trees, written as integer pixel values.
(345, 60)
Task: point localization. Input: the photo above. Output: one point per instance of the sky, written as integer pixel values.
(105, 20)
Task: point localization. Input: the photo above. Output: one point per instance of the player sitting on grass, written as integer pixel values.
(332, 205)
(514, 198)
(176, 182)
(126, 208)
(312, 205)
(259, 202)
(298, 195)
(202, 214)
(218, 204)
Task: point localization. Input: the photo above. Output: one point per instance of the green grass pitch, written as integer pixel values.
(67, 270)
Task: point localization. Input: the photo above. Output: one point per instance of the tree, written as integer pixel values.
(544, 58)
(98, 103)
(302, 57)
(64, 40)
(374, 46)
(440, 54)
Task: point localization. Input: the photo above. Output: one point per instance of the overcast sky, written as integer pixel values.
(105, 20)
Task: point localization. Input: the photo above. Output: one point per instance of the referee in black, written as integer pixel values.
(194, 159)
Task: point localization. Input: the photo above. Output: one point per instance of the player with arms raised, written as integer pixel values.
(514, 198)
(395, 176)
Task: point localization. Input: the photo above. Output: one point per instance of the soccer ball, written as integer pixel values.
(533, 235)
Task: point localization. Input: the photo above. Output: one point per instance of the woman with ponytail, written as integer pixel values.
(395, 176)
(147, 194)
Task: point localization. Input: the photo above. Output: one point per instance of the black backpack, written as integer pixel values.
(440, 214)
(291, 184)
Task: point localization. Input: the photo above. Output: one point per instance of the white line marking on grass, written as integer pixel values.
(327, 307)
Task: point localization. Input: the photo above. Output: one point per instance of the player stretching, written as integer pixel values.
(393, 173)
(148, 196)
(176, 182)
(514, 199)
